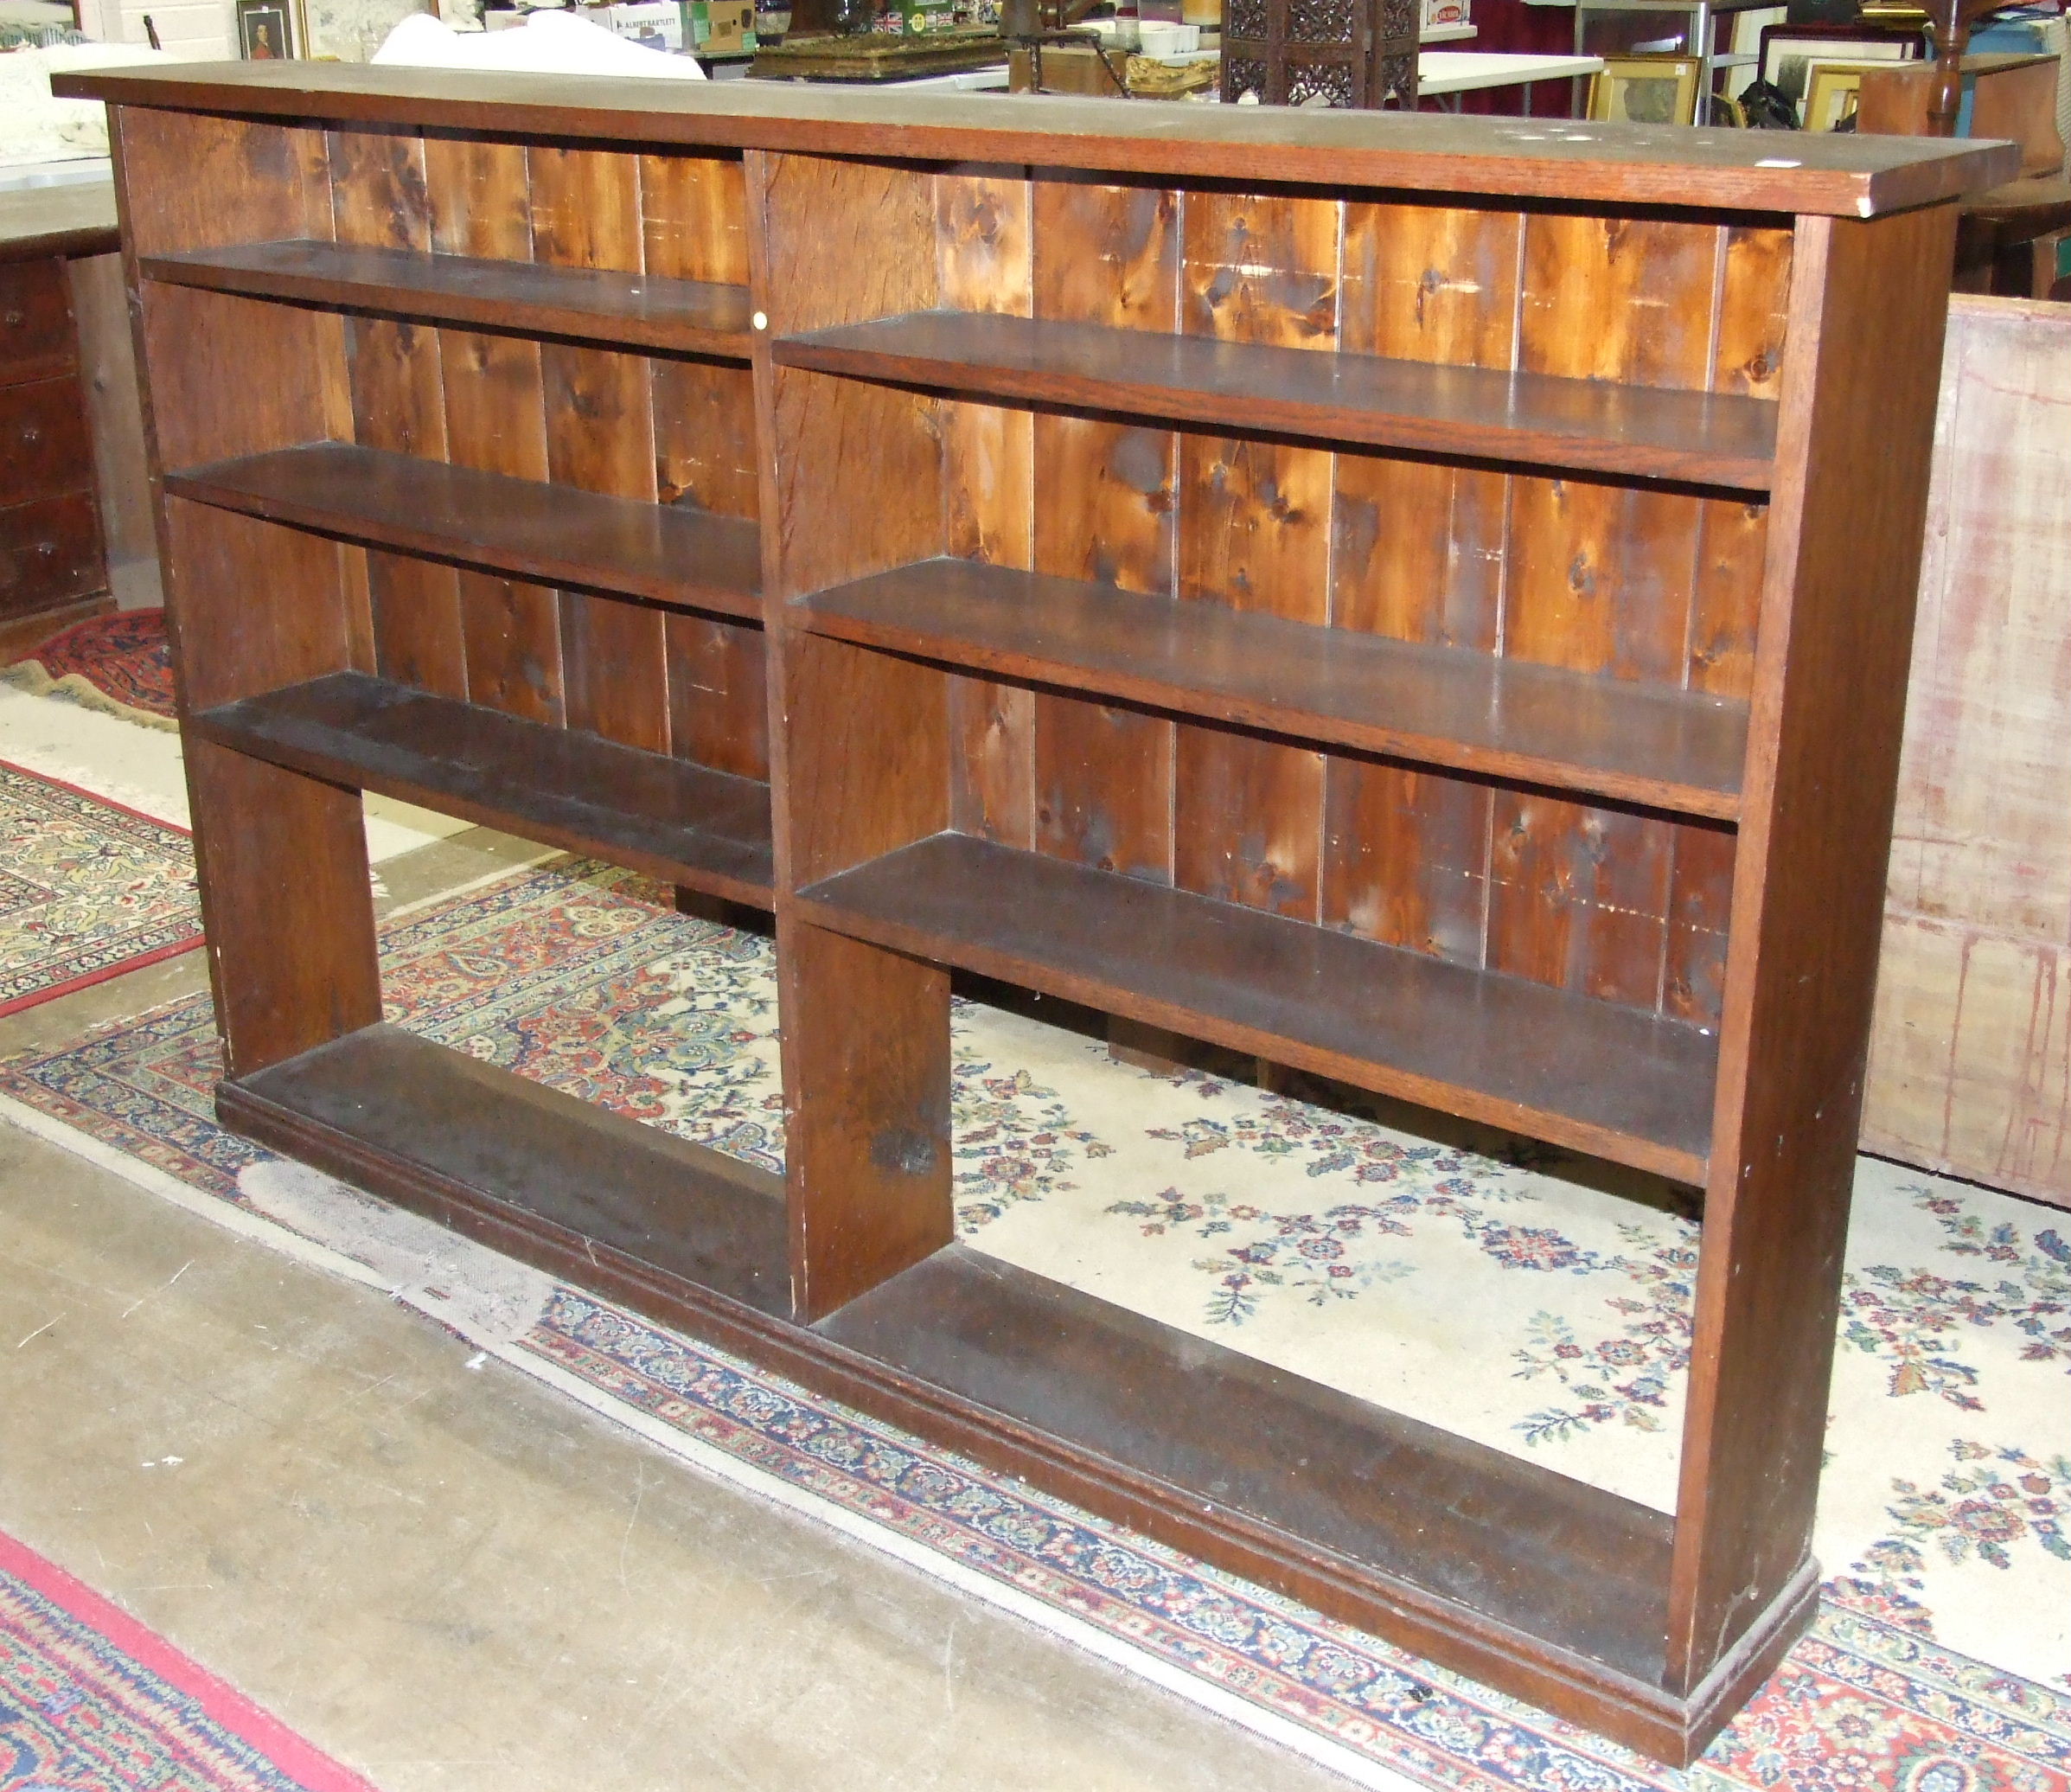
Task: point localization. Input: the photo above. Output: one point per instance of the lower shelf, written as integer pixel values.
(1486, 1563)
(1492, 1565)
(682, 823)
(488, 1152)
(1591, 1075)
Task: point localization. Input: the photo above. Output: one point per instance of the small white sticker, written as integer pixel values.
(760, 320)
(1778, 162)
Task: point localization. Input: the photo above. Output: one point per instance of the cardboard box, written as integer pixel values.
(1446, 12)
(720, 28)
(656, 24)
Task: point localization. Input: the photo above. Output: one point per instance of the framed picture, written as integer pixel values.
(263, 34)
(1833, 93)
(1791, 53)
(352, 30)
(1645, 90)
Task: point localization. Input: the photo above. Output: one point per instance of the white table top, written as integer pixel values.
(1465, 71)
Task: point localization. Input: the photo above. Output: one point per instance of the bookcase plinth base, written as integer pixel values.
(1546, 1589)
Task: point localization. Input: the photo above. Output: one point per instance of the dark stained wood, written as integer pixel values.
(1655, 745)
(986, 255)
(663, 816)
(869, 1171)
(494, 1153)
(379, 202)
(1464, 1523)
(1407, 152)
(1806, 915)
(1724, 439)
(1606, 699)
(517, 527)
(717, 696)
(1105, 496)
(1254, 538)
(37, 340)
(480, 200)
(1589, 1074)
(634, 310)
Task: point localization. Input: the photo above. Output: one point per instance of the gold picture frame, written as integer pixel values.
(1645, 90)
(1832, 92)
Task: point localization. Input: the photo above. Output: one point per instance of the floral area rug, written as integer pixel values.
(119, 662)
(90, 1701)
(88, 890)
(1353, 1250)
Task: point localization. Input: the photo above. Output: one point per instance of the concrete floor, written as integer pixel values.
(451, 1578)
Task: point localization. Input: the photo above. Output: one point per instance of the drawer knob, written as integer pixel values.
(32, 434)
(47, 549)
(15, 319)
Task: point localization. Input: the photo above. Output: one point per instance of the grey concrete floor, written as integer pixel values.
(453, 1578)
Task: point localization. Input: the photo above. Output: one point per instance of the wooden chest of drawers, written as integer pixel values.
(52, 568)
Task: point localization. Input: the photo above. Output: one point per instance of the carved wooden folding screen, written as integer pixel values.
(1352, 53)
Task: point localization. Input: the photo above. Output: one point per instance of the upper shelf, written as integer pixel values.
(1835, 172)
(1706, 438)
(549, 535)
(638, 311)
(1633, 743)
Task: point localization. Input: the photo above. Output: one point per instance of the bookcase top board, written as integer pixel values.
(1837, 173)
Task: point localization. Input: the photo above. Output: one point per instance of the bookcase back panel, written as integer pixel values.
(249, 375)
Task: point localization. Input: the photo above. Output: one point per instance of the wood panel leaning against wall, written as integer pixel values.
(1970, 1067)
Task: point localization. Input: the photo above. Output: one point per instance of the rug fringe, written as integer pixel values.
(28, 676)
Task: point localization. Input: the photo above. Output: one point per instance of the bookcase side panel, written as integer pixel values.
(1843, 557)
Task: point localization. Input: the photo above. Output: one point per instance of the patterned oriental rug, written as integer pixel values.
(88, 889)
(1343, 1245)
(119, 664)
(90, 1701)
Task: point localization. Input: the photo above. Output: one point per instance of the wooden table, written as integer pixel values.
(53, 563)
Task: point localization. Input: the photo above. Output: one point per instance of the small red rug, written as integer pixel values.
(119, 662)
(90, 1701)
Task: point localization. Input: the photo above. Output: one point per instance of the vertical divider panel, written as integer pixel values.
(852, 483)
(585, 213)
(281, 859)
(1105, 494)
(1254, 534)
(479, 197)
(378, 197)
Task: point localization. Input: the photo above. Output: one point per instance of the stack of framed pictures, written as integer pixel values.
(1820, 68)
(1646, 90)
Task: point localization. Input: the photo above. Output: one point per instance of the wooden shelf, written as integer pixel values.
(1461, 413)
(634, 310)
(1531, 1551)
(1591, 1075)
(548, 534)
(679, 822)
(522, 1166)
(1680, 750)
(692, 1238)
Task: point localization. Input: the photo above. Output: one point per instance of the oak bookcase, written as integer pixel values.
(1423, 600)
